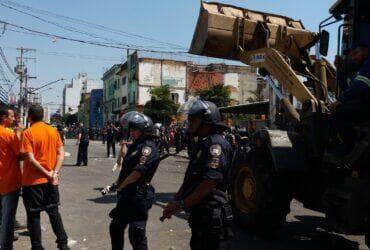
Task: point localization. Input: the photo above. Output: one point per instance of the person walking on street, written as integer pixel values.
(44, 154)
(10, 177)
(83, 145)
(203, 192)
(111, 132)
(135, 194)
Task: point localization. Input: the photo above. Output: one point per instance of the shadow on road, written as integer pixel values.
(304, 234)
(107, 199)
(161, 199)
(70, 165)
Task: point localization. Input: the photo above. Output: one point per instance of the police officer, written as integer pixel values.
(83, 139)
(111, 132)
(353, 105)
(135, 194)
(203, 192)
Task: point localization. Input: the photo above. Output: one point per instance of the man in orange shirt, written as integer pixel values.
(10, 177)
(43, 150)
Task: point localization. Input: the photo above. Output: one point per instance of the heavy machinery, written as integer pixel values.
(289, 161)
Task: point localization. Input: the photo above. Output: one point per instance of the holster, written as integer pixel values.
(213, 217)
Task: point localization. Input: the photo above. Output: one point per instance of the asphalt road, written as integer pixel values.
(85, 213)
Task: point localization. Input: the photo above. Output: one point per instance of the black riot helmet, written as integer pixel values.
(137, 120)
(157, 129)
(206, 111)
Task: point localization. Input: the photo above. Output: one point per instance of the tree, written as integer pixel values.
(69, 119)
(218, 94)
(161, 107)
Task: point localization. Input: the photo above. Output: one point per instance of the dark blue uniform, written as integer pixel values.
(359, 88)
(136, 199)
(355, 106)
(210, 220)
(83, 146)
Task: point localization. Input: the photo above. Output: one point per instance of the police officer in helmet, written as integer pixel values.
(203, 192)
(135, 194)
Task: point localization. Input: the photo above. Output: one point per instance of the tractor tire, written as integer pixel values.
(260, 197)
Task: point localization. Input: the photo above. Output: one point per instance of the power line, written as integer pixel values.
(4, 75)
(2, 54)
(69, 28)
(93, 25)
(88, 41)
(75, 55)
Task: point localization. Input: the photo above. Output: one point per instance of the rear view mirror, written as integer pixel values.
(324, 42)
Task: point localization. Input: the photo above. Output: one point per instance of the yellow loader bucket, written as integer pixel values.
(223, 29)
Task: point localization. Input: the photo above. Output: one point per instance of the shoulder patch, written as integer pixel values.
(146, 151)
(215, 150)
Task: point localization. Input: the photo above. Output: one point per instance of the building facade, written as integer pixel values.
(72, 92)
(243, 81)
(127, 86)
(96, 109)
(84, 109)
(4, 97)
(111, 89)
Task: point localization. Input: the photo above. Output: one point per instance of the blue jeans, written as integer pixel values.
(9, 204)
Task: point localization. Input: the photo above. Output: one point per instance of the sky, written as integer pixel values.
(172, 21)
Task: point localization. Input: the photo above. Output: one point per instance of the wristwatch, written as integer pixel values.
(182, 204)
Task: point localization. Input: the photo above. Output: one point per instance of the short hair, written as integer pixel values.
(3, 112)
(36, 113)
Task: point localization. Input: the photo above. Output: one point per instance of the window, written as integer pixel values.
(175, 97)
(124, 81)
(124, 100)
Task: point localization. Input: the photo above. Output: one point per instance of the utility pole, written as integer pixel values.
(21, 70)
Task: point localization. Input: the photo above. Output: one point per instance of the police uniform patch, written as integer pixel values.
(134, 153)
(143, 159)
(215, 150)
(146, 151)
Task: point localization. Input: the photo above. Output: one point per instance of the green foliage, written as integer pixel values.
(218, 94)
(161, 107)
(257, 96)
(69, 119)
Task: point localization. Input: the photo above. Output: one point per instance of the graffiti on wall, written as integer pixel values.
(202, 80)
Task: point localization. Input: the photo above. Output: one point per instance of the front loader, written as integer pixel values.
(288, 160)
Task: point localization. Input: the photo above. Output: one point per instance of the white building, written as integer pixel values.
(72, 92)
(155, 72)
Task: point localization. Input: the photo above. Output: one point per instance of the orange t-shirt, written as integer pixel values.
(10, 172)
(43, 141)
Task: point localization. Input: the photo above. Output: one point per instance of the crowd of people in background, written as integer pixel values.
(113, 134)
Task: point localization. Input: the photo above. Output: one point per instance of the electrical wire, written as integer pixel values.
(74, 55)
(93, 25)
(2, 54)
(72, 29)
(42, 33)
